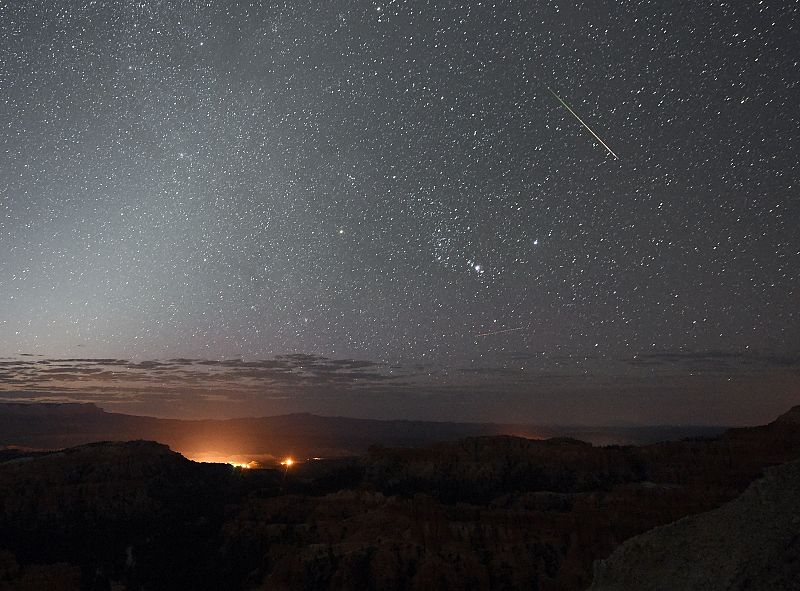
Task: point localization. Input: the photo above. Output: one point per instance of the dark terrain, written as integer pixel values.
(487, 512)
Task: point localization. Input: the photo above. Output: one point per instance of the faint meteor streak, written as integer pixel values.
(597, 137)
(487, 334)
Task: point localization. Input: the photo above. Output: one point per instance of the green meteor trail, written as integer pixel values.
(597, 137)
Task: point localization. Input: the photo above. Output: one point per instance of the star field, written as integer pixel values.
(388, 180)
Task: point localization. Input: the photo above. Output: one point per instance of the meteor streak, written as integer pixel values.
(487, 334)
(597, 137)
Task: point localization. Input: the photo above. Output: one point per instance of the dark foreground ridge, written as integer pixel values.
(487, 512)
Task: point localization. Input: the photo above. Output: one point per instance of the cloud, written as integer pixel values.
(709, 362)
(522, 385)
(128, 379)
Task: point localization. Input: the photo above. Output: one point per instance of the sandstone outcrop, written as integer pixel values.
(751, 543)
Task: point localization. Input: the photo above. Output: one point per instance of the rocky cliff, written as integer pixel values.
(494, 512)
(751, 543)
(481, 513)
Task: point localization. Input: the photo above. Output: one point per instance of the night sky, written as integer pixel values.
(394, 182)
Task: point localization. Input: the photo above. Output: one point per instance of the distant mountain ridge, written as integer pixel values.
(55, 426)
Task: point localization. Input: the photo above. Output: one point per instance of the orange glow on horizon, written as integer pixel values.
(236, 461)
(245, 461)
(246, 466)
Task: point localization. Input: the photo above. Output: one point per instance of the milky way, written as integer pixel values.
(387, 181)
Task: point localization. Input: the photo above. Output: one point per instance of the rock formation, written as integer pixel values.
(481, 513)
(751, 543)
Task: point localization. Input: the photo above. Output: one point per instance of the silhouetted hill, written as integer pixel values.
(55, 426)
